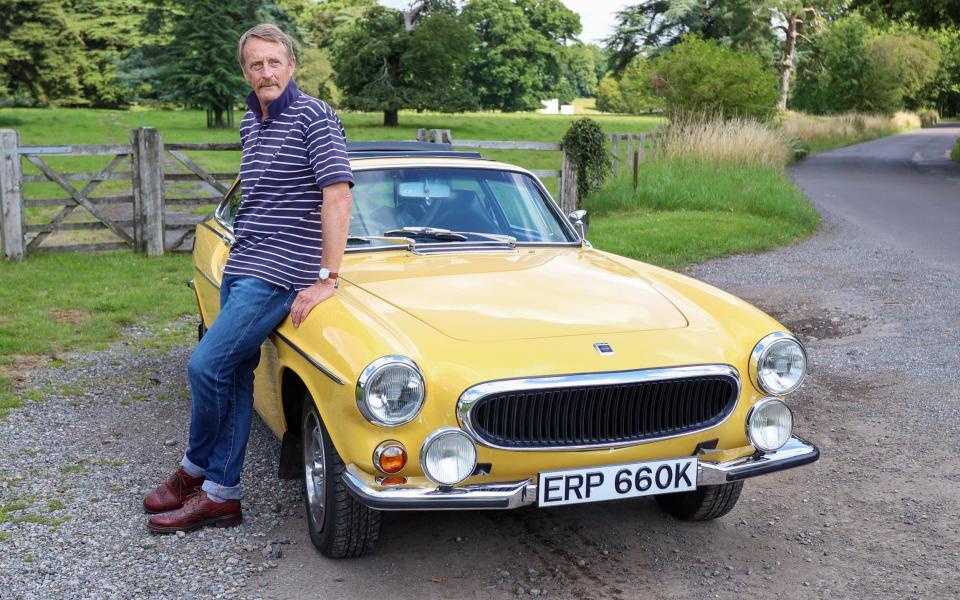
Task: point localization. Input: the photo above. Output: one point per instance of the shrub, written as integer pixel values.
(850, 68)
(955, 153)
(928, 117)
(609, 96)
(584, 144)
(700, 76)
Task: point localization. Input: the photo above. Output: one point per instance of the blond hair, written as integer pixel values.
(269, 32)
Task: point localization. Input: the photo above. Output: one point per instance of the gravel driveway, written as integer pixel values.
(878, 516)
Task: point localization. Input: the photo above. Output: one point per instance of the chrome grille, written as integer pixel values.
(600, 410)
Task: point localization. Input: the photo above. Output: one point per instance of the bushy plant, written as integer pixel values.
(609, 96)
(928, 117)
(701, 76)
(854, 68)
(955, 153)
(584, 144)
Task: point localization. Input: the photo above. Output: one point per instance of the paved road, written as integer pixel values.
(905, 189)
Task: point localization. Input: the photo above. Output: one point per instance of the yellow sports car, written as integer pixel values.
(481, 354)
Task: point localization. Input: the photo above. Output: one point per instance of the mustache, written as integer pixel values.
(271, 83)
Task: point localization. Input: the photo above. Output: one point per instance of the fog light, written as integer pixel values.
(769, 424)
(390, 457)
(448, 456)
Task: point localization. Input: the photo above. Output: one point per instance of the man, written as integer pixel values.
(290, 232)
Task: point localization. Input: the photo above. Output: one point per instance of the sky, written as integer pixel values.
(596, 16)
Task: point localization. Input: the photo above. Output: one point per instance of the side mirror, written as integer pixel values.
(581, 220)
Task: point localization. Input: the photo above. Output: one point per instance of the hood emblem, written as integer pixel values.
(603, 348)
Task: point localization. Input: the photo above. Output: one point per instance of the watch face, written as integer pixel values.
(324, 273)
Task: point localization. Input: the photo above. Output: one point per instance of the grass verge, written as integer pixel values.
(821, 133)
(687, 211)
(955, 153)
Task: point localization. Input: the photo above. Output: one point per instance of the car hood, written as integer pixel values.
(527, 294)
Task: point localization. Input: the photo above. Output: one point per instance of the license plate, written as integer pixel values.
(613, 482)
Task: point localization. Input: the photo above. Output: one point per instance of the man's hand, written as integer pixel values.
(308, 298)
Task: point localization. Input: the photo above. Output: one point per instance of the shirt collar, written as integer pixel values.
(276, 108)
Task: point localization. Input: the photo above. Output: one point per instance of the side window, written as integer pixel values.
(227, 211)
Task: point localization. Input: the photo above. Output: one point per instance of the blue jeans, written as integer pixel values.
(221, 380)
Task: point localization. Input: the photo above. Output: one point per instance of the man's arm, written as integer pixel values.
(335, 221)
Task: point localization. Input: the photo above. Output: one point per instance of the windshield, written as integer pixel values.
(479, 201)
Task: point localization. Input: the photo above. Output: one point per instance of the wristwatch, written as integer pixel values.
(326, 274)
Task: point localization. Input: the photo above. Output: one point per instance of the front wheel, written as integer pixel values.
(340, 527)
(702, 504)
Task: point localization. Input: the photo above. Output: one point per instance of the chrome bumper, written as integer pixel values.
(514, 494)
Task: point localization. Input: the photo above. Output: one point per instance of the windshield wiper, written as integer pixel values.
(436, 233)
(369, 239)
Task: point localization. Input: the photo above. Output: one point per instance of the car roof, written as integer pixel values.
(388, 149)
(377, 155)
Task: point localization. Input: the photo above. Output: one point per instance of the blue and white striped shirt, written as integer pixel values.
(287, 161)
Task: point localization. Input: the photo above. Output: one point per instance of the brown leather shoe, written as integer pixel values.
(172, 493)
(198, 511)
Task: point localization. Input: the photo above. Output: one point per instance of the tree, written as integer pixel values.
(388, 60)
(520, 54)
(609, 96)
(854, 68)
(637, 86)
(932, 14)
(110, 33)
(40, 51)
(201, 62)
(701, 76)
(653, 26)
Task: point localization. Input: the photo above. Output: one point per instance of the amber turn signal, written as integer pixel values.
(392, 480)
(390, 457)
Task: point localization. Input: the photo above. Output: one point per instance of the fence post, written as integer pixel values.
(568, 186)
(147, 180)
(441, 136)
(641, 147)
(11, 196)
(422, 135)
(614, 153)
(636, 164)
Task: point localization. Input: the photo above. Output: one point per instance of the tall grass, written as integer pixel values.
(821, 133)
(737, 142)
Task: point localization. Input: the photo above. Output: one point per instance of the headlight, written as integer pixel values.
(448, 456)
(778, 364)
(769, 424)
(390, 391)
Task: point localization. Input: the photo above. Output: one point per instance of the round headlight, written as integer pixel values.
(390, 391)
(448, 456)
(778, 364)
(769, 424)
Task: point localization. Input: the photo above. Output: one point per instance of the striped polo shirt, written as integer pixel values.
(288, 158)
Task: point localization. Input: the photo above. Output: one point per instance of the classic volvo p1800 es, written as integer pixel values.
(481, 354)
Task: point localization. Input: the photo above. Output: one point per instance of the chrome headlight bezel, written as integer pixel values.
(760, 352)
(430, 439)
(754, 410)
(371, 371)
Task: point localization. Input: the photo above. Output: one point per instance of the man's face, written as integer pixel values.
(266, 68)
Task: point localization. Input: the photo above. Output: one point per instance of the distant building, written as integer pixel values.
(550, 107)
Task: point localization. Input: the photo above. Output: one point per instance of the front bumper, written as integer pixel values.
(514, 494)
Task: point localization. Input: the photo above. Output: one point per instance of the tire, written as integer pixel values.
(702, 504)
(339, 526)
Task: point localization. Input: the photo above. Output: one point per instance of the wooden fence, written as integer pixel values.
(140, 217)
